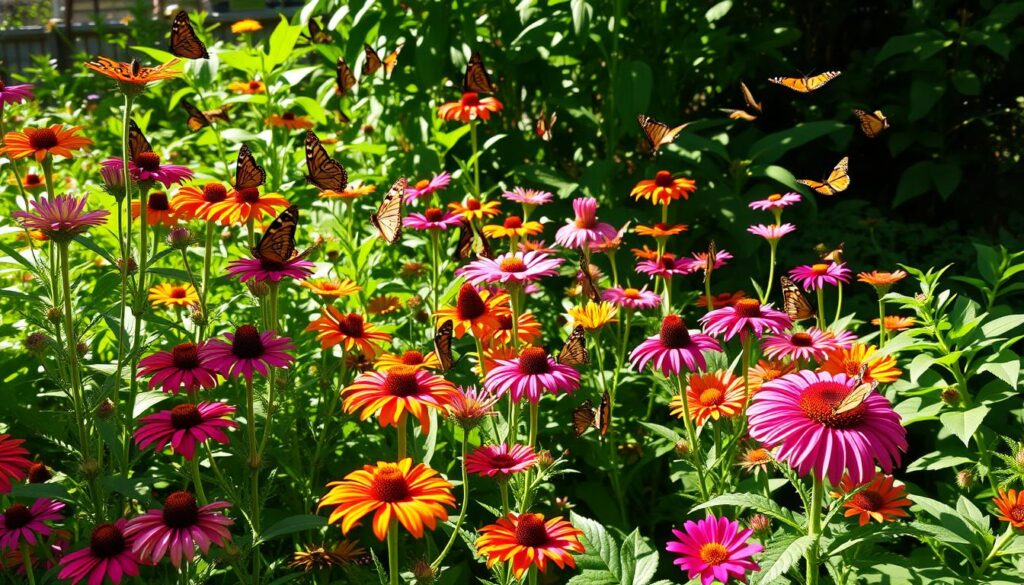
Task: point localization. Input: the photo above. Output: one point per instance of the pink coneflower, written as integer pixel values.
(796, 413)
(185, 426)
(500, 460)
(13, 463)
(517, 268)
(776, 201)
(246, 269)
(178, 528)
(799, 345)
(185, 366)
(585, 229)
(471, 405)
(745, 315)
(146, 167)
(530, 375)
(698, 261)
(432, 219)
(844, 339)
(815, 276)
(673, 348)
(631, 298)
(426, 187)
(15, 94)
(247, 351)
(529, 197)
(27, 524)
(108, 556)
(715, 549)
(665, 266)
(772, 232)
(60, 218)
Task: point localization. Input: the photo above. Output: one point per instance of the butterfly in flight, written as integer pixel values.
(836, 182)
(443, 345)
(184, 42)
(872, 124)
(574, 352)
(248, 174)
(137, 143)
(317, 35)
(476, 78)
(835, 255)
(794, 303)
(346, 79)
(278, 243)
(544, 125)
(752, 104)
(806, 84)
(323, 171)
(388, 219)
(586, 279)
(585, 416)
(198, 119)
(373, 62)
(657, 133)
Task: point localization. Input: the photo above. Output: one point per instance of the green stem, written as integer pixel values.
(26, 561)
(814, 529)
(72, 348)
(997, 546)
(476, 159)
(534, 423)
(393, 551)
(881, 322)
(435, 268)
(707, 293)
(254, 474)
(771, 272)
(691, 436)
(195, 285)
(403, 436)
(207, 261)
(465, 505)
(821, 309)
(48, 175)
(197, 480)
(503, 488)
(839, 303)
(513, 423)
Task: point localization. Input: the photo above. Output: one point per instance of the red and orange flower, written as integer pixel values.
(411, 358)
(474, 209)
(55, 140)
(880, 500)
(470, 107)
(350, 331)
(246, 205)
(400, 391)
(849, 361)
(476, 311)
(528, 540)
(711, 395)
(663, 188)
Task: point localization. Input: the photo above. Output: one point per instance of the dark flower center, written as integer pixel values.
(106, 542)
(749, 308)
(505, 322)
(186, 356)
(530, 530)
(470, 304)
(434, 214)
(180, 510)
(351, 325)
(17, 516)
(158, 201)
(247, 343)
(663, 179)
(534, 360)
(513, 264)
(214, 192)
(819, 402)
(43, 139)
(389, 485)
(147, 161)
(502, 461)
(254, 86)
(470, 100)
(288, 116)
(33, 179)
(868, 500)
(713, 553)
(250, 194)
(513, 222)
(1017, 513)
(185, 416)
(38, 473)
(472, 204)
(667, 262)
(412, 358)
(801, 340)
(401, 381)
(852, 368)
(178, 292)
(674, 334)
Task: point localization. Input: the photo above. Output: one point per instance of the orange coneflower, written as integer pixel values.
(412, 358)
(247, 204)
(354, 191)
(755, 460)
(660, 230)
(401, 391)
(132, 77)
(470, 107)
(644, 253)
(383, 305)
(350, 331)
(54, 140)
(473, 209)
(191, 202)
(896, 322)
(528, 540)
(527, 327)
(513, 227)
(880, 501)
(248, 87)
(880, 368)
(723, 299)
(330, 288)
(173, 295)
(475, 311)
(415, 496)
(593, 316)
(247, 25)
(766, 371)
(663, 188)
(494, 353)
(882, 281)
(158, 210)
(1011, 507)
(711, 395)
(290, 121)
(32, 182)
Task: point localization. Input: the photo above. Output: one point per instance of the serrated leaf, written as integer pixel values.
(757, 502)
(787, 559)
(963, 423)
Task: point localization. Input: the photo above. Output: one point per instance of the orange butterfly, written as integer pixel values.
(806, 84)
(184, 42)
(324, 172)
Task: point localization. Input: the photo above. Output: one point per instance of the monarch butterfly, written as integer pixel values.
(317, 35)
(198, 119)
(574, 352)
(324, 172)
(544, 125)
(709, 261)
(836, 182)
(346, 79)
(836, 255)
(248, 174)
(587, 279)
(388, 219)
(855, 398)
(739, 115)
(749, 98)
(465, 245)
(219, 114)
(443, 345)
(476, 78)
(278, 243)
(806, 84)
(872, 124)
(184, 42)
(658, 134)
(137, 143)
(586, 416)
(794, 302)
(373, 61)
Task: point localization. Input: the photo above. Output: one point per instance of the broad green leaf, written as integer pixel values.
(293, 524)
(282, 43)
(1005, 365)
(582, 11)
(963, 423)
(997, 327)
(949, 519)
(923, 45)
(772, 147)
(755, 502)
(937, 460)
(783, 560)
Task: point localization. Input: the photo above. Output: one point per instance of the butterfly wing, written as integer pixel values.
(709, 261)
(317, 34)
(388, 219)
(574, 352)
(391, 61)
(197, 120)
(278, 243)
(835, 255)
(794, 302)
(544, 124)
(818, 186)
(346, 79)
(819, 81)
(798, 84)
(604, 414)
(871, 124)
(248, 173)
(372, 62)
(587, 280)
(184, 42)
(324, 172)
(658, 134)
(583, 417)
(476, 78)
(465, 246)
(749, 98)
(443, 345)
(855, 398)
(137, 143)
(838, 180)
(739, 115)
(218, 114)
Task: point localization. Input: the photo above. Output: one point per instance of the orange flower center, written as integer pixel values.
(674, 334)
(714, 553)
(472, 204)
(470, 305)
(852, 368)
(351, 325)
(631, 293)
(17, 516)
(711, 397)
(470, 100)
(42, 139)
(158, 201)
(748, 308)
(819, 269)
(434, 214)
(801, 340)
(412, 358)
(401, 381)
(33, 179)
(147, 161)
(513, 264)
(819, 401)
(774, 197)
(663, 179)
(214, 192)
(758, 457)
(530, 531)
(421, 184)
(185, 416)
(250, 195)
(254, 86)
(868, 500)
(533, 361)
(389, 484)
(180, 510)
(106, 541)
(247, 343)
(513, 222)
(186, 356)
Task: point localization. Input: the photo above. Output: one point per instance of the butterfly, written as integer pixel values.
(316, 34)
(794, 302)
(278, 243)
(749, 98)
(476, 79)
(586, 416)
(544, 125)
(658, 134)
(709, 262)
(198, 119)
(836, 255)
(373, 61)
(836, 182)
(388, 219)
(806, 84)
(443, 345)
(184, 42)
(137, 143)
(587, 280)
(574, 352)
(739, 115)
(857, 396)
(324, 172)
(248, 174)
(872, 124)
(346, 79)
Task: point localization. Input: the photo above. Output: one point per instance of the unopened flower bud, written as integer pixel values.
(54, 315)
(91, 468)
(423, 572)
(105, 410)
(368, 129)
(131, 265)
(951, 395)
(545, 460)
(761, 525)
(920, 297)
(36, 341)
(179, 238)
(197, 316)
(113, 181)
(332, 255)
(38, 473)
(1019, 457)
(422, 316)
(964, 479)
(258, 288)
(81, 348)
(563, 503)
(682, 449)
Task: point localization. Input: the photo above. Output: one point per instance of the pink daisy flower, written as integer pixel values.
(13, 463)
(743, 316)
(147, 167)
(426, 187)
(20, 523)
(715, 549)
(178, 528)
(815, 276)
(15, 94)
(843, 339)
(432, 219)
(772, 232)
(698, 260)
(796, 413)
(186, 366)
(529, 197)
(60, 218)
(185, 426)
(530, 375)
(631, 298)
(500, 460)
(799, 345)
(585, 229)
(776, 201)
(108, 556)
(246, 269)
(673, 348)
(247, 351)
(515, 268)
(666, 266)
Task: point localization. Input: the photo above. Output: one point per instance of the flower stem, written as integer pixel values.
(197, 480)
(534, 423)
(403, 430)
(476, 159)
(707, 293)
(881, 322)
(435, 268)
(814, 529)
(997, 546)
(821, 309)
(771, 272)
(26, 560)
(72, 349)
(691, 436)
(207, 260)
(48, 175)
(503, 488)
(195, 285)
(839, 303)
(254, 474)
(465, 505)
(393, 551)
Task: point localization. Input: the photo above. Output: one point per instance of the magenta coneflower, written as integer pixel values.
(185, 366)
(844, 339)
(796, 413)
(185, 426)
(745, 315)
(20, 523)
(60, 218)
(698, 261)
(432, 219)
(146, 167)
(15, 94)
(665, 266)
(246, 269)
(816, 276)
(776, 201)
(673, 348)
(247, 351)
(13, 463)
(799, 345)
(585, 229)
(516, 268)
(426, 187)
(500, 460)
(178, 528)
(470, 406)
(631, 298)
(772, 232)
(529, 197)
(530, 375)
(715, 549)
(108, 556)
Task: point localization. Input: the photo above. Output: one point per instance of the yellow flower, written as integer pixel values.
(173, 295)
(593, 315)
(246, 26)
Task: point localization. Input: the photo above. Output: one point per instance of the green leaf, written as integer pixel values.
(923, 44)
(949, 519)
(963, 423)
(718, 10)
(662, 431)
(997, 327)
(915, 180)
(966, 82)
(772, 147)
(282, 42)
(293, 524)
(581, 15)
(937, 460)
(786, 554)
(632, 86)
(755, 502)
(604, 562)
(1005, 365)
(924, 94)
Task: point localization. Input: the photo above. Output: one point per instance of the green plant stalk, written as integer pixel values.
(393, 551)
(691, 436)
(77, 393)
(197, 480)
(771, 272)
(271, 385)
(435, 268)
(881, 322)
(332, 406)
(48, 175)
(195, 285)
(26, 561)
(503, 488)
(707, 293)
(997, 546)
(821, 309)
(476, 159)
(532, 575)
(839, 303)
(480, 355)
(814, 529)
(207, 262)
(254, 474)
(124, 242)
(465, 505)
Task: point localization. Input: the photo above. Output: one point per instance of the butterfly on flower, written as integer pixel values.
(248, 174)
(585, 416)
(794, 303)
(836, 182)
(443, 345)
(388, 218)
(184, 41)
(476, 78)
(574, 352)
(468, 236)
(872, 124)
(277, 245)
(137, 143)
(658, 134)
(806, 84)
(324, 172)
